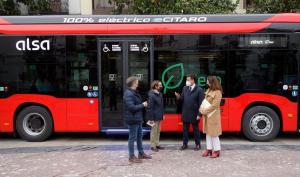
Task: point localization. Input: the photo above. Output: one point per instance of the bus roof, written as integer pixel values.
(149, 24)
(137, 19)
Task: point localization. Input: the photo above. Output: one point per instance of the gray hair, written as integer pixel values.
(131, 80)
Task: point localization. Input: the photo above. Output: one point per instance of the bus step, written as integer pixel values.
(122, 131)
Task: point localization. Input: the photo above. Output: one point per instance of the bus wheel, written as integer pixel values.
(260, 123)
(34, 123)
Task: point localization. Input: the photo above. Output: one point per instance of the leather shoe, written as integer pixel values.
(197, 148)
(154, 149)
(183, 147)
(215, 154)
(144, 156)
(207, 153)
(133, 159)
(160, 147)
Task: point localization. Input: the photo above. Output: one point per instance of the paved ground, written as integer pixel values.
(98, 155)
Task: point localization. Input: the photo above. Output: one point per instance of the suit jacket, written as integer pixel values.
(191, 101)
(155, 109)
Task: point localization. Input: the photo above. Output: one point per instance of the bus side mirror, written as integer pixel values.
(222, 102)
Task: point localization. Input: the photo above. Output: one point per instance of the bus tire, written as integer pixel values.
(34, 123)
(260, 123)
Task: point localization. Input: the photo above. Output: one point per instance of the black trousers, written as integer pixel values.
(186, 126)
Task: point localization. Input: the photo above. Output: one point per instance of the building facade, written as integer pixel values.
(77, 7)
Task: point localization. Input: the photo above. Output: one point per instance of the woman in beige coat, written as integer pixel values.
(212, 117)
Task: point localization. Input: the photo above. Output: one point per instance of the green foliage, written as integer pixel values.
(120, 5)
(10, 7)
(175, 6)
(273, 6)
(39, 7)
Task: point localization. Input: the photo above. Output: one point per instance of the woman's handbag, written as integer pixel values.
(205, 105)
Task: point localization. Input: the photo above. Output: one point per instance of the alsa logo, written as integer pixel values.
(33, 45)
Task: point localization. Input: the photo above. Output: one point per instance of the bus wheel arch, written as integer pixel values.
(42, 113)
(261, 121)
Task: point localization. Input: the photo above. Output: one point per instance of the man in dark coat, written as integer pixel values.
(191, 98)
(155, 111)
(133, 113)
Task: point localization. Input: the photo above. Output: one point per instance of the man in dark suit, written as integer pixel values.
(191, 98)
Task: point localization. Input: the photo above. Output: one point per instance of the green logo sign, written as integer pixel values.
(167, 82)
(201, 81)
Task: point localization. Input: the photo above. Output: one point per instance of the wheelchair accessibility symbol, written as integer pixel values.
(105, 48)
(145, 48)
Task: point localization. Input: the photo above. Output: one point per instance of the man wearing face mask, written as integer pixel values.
(155, 112)
(133, 113)
(191, 98)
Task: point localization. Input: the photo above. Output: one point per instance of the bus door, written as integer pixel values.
(119, 59)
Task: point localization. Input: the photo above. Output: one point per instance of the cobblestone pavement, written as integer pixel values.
(97, 156)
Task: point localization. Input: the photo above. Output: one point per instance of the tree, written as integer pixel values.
(35, 7)
(174, 6)
(8, 7)
(120, 5)
(273, 6)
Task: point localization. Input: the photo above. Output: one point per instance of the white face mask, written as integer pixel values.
(188, 83)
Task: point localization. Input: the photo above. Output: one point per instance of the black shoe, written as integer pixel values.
(159, 147)
(197, 148)
(183, 147)
(154, 149)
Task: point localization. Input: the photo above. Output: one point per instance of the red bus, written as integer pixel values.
(67, 73)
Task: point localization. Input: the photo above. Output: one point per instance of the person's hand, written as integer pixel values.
(177, 95)
(201, 110)
(145, 104)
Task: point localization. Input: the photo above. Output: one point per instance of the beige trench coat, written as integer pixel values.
(212, 124)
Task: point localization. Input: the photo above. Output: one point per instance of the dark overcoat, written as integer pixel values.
(191, 101)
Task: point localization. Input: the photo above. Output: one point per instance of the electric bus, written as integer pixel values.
(67, 73)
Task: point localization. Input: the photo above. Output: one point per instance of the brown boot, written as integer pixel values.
(207, 153)
(144, 156)
(133, 159)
